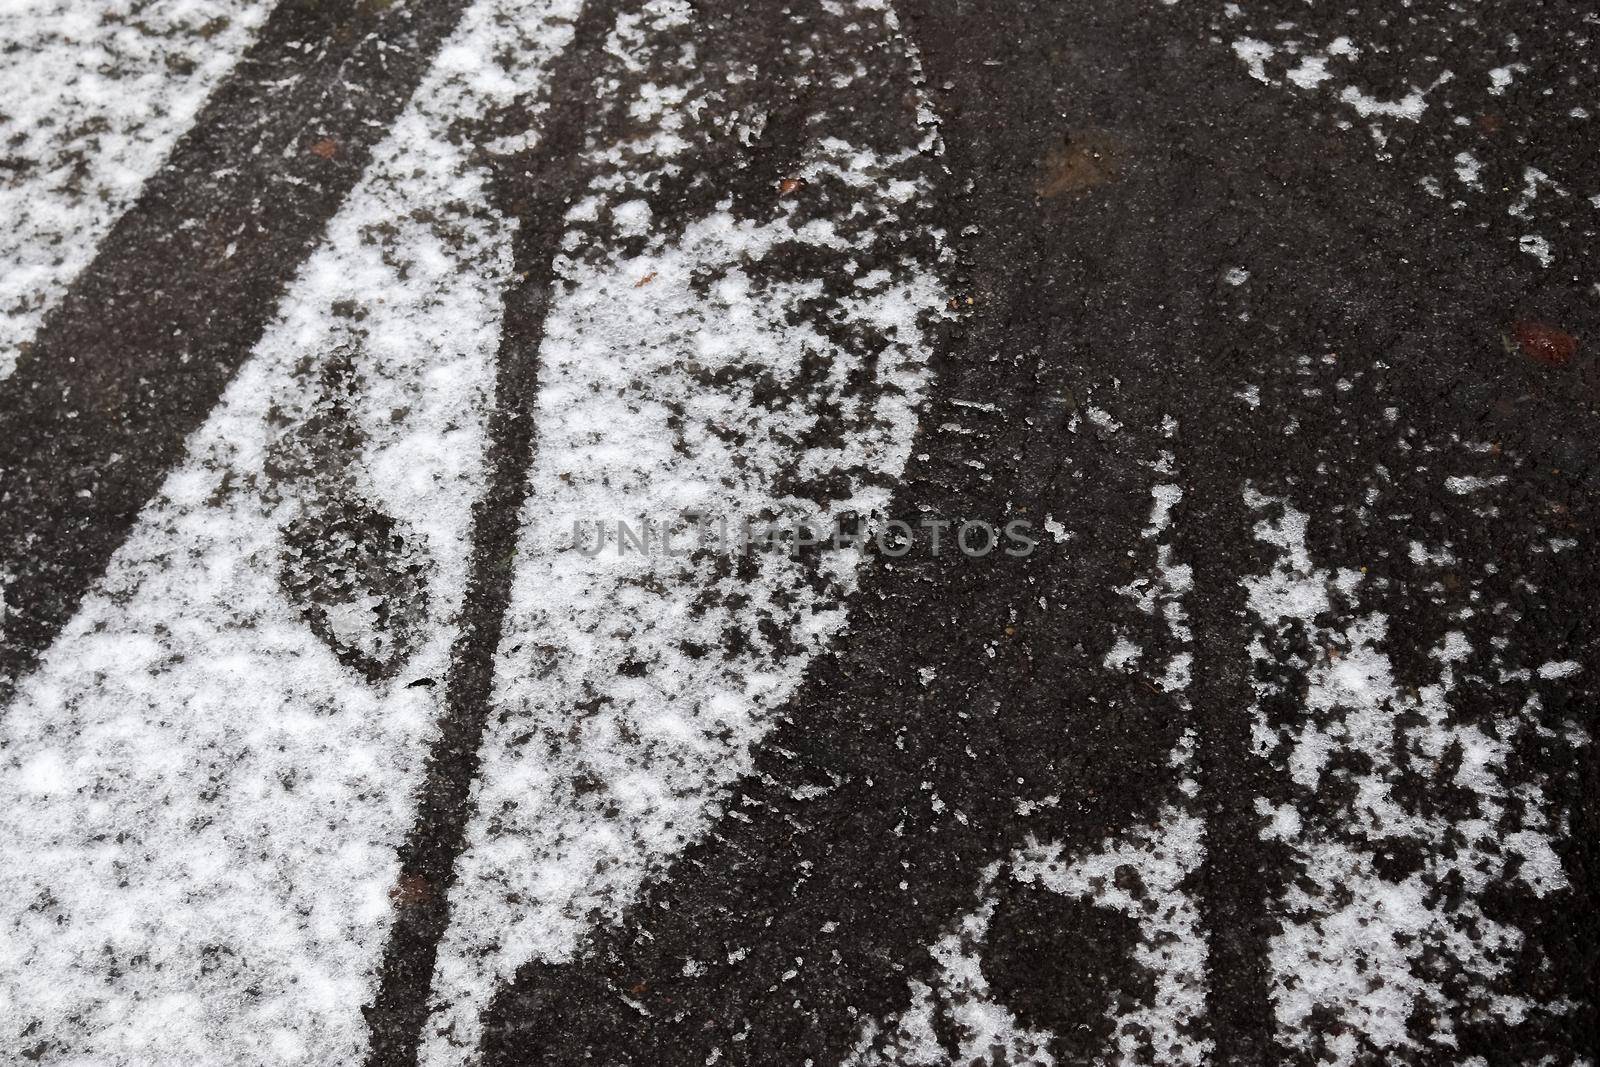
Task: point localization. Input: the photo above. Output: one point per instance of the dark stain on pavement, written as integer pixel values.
(1082, 161)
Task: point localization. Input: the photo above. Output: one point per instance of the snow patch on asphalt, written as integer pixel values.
(956, 1016)
(1384, 921)
(1142, 872)
(958, 999)
(1448, 92)
(1159, 594)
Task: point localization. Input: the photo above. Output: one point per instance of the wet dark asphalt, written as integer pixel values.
(1111, 291)
(1108, 291)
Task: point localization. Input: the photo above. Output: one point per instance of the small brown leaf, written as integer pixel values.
(412, 889)
(790, 185)
(1545, 344)
(326, 148)
(1083, 160)
(646, 280)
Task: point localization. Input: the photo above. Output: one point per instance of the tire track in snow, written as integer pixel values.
(95, 97)
(532, 186)
(96, 413)
(736, 295)
(202, 802)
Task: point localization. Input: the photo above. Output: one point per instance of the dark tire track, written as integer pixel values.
(148, 336)
(534, 187)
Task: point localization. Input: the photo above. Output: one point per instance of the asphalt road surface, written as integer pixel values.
(840, 532)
